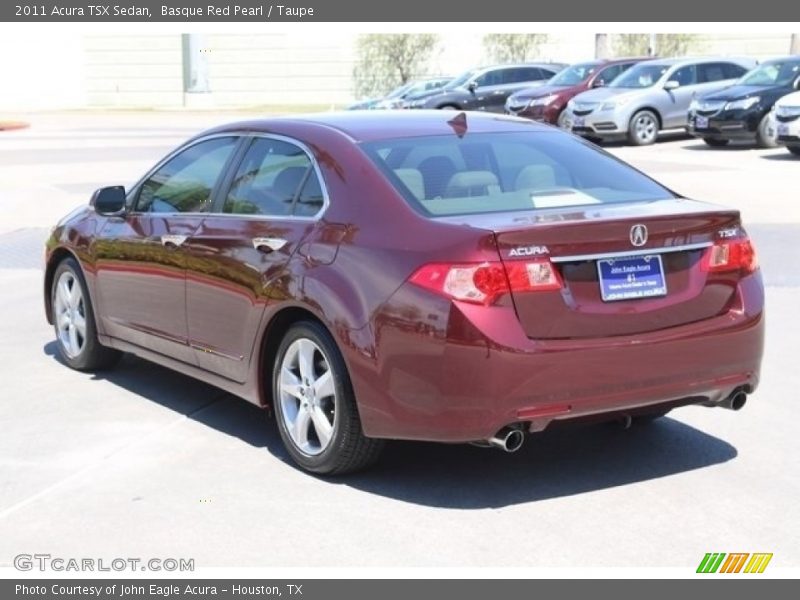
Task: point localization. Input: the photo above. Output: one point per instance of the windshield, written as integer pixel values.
(399, 91)
(772, 73)
(461, 80)
(573, 75)
(640, 76)
(498, 172)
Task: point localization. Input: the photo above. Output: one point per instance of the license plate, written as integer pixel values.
(631, 277)
(577, 122)
(701, 122)
(783, 129)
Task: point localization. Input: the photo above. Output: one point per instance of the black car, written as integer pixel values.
(486, 88)
(740, 112)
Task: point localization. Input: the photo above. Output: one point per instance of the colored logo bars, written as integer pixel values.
(716, 562)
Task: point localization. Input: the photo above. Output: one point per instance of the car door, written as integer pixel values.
(676, 101)
(139, 260)
(237, 259)
(484, 88)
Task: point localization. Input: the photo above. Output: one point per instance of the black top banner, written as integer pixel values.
(376, 11)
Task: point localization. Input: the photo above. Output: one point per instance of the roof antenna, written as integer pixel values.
(459, 124)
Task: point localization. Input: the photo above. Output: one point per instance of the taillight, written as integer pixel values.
(483, 283)
(734, 255)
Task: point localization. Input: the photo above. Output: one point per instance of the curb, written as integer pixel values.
(9, 125)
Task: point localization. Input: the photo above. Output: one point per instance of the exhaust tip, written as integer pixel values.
(514, 440)
(508, 440)
(738, 400)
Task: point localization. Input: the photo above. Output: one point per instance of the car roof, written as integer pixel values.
(365, 126)
(684, 60)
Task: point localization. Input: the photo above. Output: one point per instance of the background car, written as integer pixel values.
(650, 97)
(741, 112)
(547, 102)
(785, 122)
(487, 88)
(394, 99)
(545, 280)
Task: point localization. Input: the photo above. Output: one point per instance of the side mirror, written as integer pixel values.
(109, 201)
(472, 86)
(598, 83)
(671, 85)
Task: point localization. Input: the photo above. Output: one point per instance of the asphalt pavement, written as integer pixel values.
(144, 462)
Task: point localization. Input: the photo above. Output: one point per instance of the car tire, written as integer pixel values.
(447, 107)
(561, 121)
(315, 406)
(74, 321)
(794, 150)
(763, 137)
(715, 143)
(643, 128)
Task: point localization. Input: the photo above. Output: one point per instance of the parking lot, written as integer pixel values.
(143, 462)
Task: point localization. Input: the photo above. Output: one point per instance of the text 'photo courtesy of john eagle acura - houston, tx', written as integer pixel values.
(414, 275)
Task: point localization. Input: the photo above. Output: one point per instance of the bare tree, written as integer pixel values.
(384, 61)
(666, 44)
(512, 47)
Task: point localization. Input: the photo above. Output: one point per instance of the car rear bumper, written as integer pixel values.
(466, 382)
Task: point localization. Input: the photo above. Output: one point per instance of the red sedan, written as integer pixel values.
(414, 275)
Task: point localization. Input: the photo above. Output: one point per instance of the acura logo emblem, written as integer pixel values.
(638, 235)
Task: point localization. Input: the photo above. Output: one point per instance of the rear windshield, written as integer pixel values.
(499, 172)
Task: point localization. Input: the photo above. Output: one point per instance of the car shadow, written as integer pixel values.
(564, 461)
(734, 146)
(783, 156)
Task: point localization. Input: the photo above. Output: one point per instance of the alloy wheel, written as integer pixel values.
(645, 128)
(70, 314)
(308, 396)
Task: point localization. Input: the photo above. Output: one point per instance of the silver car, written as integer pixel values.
(650, 97)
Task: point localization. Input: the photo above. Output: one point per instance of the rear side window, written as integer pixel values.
(524, 74)
(496, 172)
(275, 178)
(186, 181)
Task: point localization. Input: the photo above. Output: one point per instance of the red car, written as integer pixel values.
(546, 103)
(414, 275)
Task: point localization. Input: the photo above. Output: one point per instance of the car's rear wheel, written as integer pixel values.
(764, 137)
(643, 128)
(315, 405)
(448, 107)
(794, 150)
(716, 143)
(74, 321)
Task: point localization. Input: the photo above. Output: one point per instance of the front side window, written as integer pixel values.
(186, 181)
(574, 75)
(685, 75)
(497, 172)
(495, 77)
(275, 178)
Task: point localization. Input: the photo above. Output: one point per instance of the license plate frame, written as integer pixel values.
(700, 122)
(637, 277)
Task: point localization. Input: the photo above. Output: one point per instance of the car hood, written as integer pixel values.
(532, 92)
(602, 94)
(740, 92)
(792, 99)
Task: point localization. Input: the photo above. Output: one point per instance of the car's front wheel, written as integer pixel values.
(643, 128)
(74, 321)
(765, 136)
(315, 405)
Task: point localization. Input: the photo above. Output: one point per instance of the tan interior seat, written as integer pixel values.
(536, 177)
(472, 183)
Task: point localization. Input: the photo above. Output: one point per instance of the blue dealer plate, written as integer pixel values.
(631, 277)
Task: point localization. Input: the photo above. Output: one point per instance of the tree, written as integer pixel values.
(667, 44)
(512, 47)
(384, 61)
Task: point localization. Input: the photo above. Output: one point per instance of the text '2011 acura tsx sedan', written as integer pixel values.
(418, 275)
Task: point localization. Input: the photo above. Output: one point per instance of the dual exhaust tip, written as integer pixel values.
(510, 440)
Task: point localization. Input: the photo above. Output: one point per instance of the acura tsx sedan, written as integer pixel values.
(419, 275)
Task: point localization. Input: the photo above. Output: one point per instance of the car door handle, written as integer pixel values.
(173, 240)
(268, 244)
